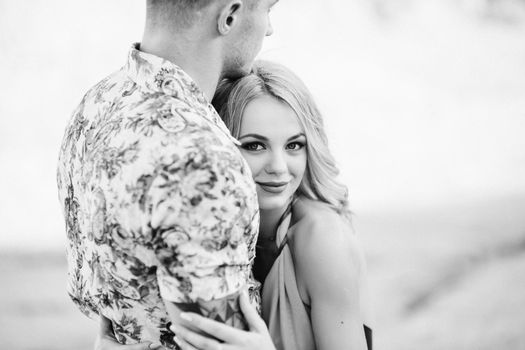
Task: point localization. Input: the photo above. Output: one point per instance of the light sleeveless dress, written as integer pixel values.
(287, 317)
(283, 310)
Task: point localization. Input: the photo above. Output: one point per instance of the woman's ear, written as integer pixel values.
(229, 16)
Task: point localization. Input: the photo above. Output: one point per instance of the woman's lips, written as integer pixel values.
(273, 187)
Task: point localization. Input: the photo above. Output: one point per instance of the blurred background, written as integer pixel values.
(424, 102)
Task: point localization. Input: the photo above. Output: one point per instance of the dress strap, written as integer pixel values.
(286, 213)
(283, 226)
(283, 244)
(269, 254)
(368, 336)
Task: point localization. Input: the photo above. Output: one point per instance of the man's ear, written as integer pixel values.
(229, 16)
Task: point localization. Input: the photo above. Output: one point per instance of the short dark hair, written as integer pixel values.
(181, 4)
(182, 9)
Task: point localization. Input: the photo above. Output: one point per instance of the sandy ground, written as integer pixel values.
(35, 311)
(449, 278)
(441, 278)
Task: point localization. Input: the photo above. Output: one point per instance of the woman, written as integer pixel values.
(314, 281)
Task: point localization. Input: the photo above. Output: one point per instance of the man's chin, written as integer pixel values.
(237, 73)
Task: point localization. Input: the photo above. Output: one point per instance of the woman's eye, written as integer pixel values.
(252, 146)
(295, 146)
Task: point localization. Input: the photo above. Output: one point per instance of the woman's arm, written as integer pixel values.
(328, 265)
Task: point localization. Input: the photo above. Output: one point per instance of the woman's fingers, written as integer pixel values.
(250, 314)
(216, 329)
(139, 346)
(189, 340)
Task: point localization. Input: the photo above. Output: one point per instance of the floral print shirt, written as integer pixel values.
(158, 201)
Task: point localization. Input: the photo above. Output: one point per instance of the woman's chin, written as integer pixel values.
(273, 202)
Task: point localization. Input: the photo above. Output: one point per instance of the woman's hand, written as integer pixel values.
(106, 339)
(230, 338)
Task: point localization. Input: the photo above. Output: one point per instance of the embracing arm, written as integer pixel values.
(203, 223)
(196, 219)
(328, 263)
(202, 331)
(225, 310)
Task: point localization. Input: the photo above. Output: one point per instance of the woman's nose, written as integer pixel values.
(277, 163)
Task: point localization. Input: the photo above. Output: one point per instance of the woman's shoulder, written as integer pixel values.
(323, 245)
(303, 206)
(319, 230)
(315, 218)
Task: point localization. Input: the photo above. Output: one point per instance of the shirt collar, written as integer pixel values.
(159, 75)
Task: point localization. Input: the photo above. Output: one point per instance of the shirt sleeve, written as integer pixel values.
(198, 210)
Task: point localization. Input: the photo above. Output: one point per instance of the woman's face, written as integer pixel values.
(274, 145)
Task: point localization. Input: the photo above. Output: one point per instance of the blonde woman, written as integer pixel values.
(312, 270)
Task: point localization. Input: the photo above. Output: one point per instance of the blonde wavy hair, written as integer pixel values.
(272, 79)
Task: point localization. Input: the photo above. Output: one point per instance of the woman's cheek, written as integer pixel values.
(255, 163)
(299, 167)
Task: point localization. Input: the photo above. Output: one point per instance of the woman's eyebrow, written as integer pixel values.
(297, 136)
(257, 136)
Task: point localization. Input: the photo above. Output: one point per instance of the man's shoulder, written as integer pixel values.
(119, 117)
(111, 81)
(177, 120)
(119, 100)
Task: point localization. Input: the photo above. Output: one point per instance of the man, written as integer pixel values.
(161, 212)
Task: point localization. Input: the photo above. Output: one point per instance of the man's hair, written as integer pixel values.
(181, 11)
(182, 4)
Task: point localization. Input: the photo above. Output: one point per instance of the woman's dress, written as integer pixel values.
(287, 317)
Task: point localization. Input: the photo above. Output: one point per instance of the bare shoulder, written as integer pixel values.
(319, 227)
(326, 251)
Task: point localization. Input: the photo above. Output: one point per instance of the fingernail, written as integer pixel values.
(185, 316)
(173, 328)
(155, 346)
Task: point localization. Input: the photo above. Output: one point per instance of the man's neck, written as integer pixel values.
(198, 58)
